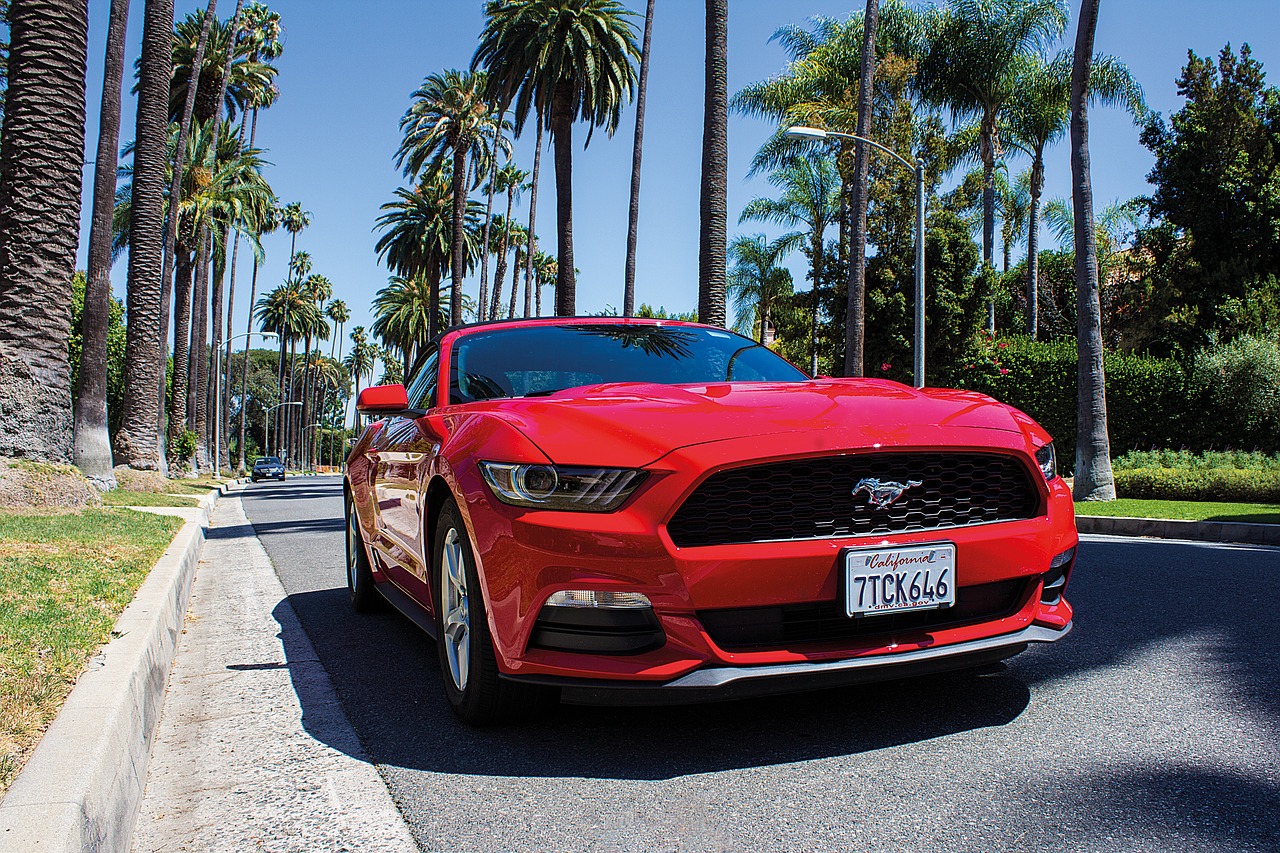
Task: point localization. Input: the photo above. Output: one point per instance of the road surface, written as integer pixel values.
(1155, 726)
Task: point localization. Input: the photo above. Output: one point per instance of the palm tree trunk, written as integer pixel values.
(181, 344)
(290, 419)
(817, 249)
(244, 373)
(305, 415)
(92, 440)
(713, 206)
(633, 219)
(532, 245)
(515, 287)
(856, 312)
(483, 302)
(988, 152)
(1094, 480)
(137, 443)
(175, 190)
(458, 253)
(504, 246)
(1033, 249)
(562, 139)
(198, 398)
(218, 434)
(40, 157)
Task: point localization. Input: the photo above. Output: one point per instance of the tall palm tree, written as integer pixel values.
(568, 60)
(40, 156)
(448, 123)
(856, 311)
(339, 315)
(633, 218)
(319, 290)
(1039, 116)
(137, 441)
(1094, 480)
(267, 225)
(713, 200)
(402, 318)
(233, 71)
(1013, 203)
(756, 282)
(359, 363)
(976, 49)
(92, 439)
(810, 199)
(546, 273)
(519, 240)
(509, 180)
(178, 162)
(295, 220)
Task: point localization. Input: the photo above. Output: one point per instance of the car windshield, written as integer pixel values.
(536, 360)
(267, 460)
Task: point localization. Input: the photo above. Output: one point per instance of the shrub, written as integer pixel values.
(1237, 387)
(1239, 460)
(1199, 484)
(184, 445)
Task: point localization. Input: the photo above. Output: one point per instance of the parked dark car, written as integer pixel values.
(268, 468)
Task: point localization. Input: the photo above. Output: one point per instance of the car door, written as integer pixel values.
(404, 453)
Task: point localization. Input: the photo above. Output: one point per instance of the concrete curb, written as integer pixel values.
(81, 788)
(1161, 528)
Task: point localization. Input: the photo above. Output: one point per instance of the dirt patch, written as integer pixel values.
(140, 481)
(38, 485)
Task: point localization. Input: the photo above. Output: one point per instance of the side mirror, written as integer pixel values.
(382, 400)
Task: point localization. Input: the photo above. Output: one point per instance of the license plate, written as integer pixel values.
(898, 580)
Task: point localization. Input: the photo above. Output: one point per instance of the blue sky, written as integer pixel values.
(348, 70)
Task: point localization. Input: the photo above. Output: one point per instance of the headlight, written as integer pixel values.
(556, 487)
(1048, 461)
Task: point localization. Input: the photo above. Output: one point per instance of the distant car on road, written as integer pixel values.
(267, 468)
(625, 510)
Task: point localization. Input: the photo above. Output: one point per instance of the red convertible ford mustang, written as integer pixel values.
(641, 511)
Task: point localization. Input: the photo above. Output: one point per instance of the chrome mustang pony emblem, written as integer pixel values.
(882, 494)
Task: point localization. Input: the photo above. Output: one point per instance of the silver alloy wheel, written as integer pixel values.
(457, 613)
(353, 543)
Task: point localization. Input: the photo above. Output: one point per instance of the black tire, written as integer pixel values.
(484, 698)
(361, 587)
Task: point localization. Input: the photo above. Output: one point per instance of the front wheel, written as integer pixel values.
(468, 666)
(360, 584)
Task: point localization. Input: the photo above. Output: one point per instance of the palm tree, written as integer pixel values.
(178, 162)
(286, 310)
(633, 219)
(756, 282)
(339, 315)
(546, 270)
(295, 220)
(1013, 202)
(92, 439)
(418, 235)
(448, 122)
(402, 318)
(232, 70)
(319, 290)
(266, 226)
(358, 363)
(971, 67)
(518, 239)
(137, 441)
(810, 198)
(568, 60)
(1039, 116)
(1093, 478)
(713, 201)
(856, 312)
(510, 180)
(40, 156)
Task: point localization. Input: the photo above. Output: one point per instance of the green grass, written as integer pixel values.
(1184, 510)
(64, 580)
(124, 497)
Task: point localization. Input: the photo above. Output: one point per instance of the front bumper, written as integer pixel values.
(722, 683)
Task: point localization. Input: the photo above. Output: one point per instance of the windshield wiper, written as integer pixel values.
(546, 392)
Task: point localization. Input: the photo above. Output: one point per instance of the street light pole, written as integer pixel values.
(918, 169)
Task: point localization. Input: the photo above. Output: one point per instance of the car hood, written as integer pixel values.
(635, 424)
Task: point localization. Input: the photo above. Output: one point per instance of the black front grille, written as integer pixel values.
(771, 627)
(814, 498)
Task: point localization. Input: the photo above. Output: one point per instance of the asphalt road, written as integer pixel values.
(1155, 726)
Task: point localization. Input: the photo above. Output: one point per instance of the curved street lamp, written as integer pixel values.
(814, 133)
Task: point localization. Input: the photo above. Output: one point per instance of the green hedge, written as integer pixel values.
(1204, 484)
(1229, 398)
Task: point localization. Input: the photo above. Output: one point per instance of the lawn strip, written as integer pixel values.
(64, 580)
(125, 497)
(1183, 510)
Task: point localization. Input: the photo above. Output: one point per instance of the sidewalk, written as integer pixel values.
(234, 765)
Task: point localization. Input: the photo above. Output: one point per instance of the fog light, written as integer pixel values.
(598, 598)
(1055, 580)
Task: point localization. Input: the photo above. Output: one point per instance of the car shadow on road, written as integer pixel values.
(386, 674)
